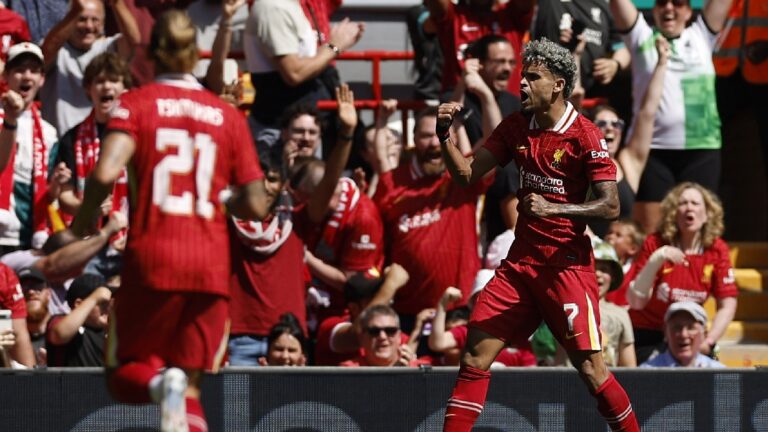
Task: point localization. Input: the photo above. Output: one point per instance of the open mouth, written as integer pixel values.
(107, 98)
(524, 97)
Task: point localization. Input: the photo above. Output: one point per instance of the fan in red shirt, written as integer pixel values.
(460, 24)
(183, 146)
(17, 342)
(549, 271)
(429, 222)
(685, 261)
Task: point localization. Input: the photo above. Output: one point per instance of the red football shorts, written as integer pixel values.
(163, 328)
(519, 296)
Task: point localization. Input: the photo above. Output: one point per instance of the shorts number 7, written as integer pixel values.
(572, 309)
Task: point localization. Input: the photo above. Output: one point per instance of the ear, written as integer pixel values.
(559, 85)
(302, 361)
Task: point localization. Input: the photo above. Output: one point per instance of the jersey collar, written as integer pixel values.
(562, 125)
(186, 81)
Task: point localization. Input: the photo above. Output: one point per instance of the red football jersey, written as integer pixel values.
(559, 164)
(13, 29)
(708, 273)
(265, 286)
(189, 147)
(350, 241)
(460, 26)
(430, 224)
(11, 296)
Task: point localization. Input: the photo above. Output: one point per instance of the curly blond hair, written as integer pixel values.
(712, 228)
(173, 45)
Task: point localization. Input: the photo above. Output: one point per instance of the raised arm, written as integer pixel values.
(381, 162)
(604, 206)
(464, 170)
(58, 35)
(130, 37)
(317, 207)
(715, 13)
(67, 327)
(116, 149)
(491, 113)
(13, 106)
(294, 70)
(635, 154)
(439, 339)
(624, 14)
(214, 76)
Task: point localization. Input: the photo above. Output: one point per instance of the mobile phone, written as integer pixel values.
(5, 320)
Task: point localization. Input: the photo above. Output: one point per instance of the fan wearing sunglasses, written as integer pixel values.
(686, 141)
(380, 340)
(631, 159)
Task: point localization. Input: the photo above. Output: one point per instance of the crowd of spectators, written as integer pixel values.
(372, 255)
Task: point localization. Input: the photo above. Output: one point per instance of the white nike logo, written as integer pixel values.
(469, 28)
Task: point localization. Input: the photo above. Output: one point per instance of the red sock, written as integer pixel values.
(195, 416)
(129, 383)
(614, 405)
(466, 402)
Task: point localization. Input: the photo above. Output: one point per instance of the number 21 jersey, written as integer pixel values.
(189, 147)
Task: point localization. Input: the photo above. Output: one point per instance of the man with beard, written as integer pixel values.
(549, 271)
(37, 294)
(430, 222)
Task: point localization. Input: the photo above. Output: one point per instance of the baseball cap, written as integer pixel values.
(361, 286)
(605, 253)
(694, 309)
(22, 48)
(83, 286)
(30, 273)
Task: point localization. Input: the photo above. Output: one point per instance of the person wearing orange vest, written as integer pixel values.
(741, 63)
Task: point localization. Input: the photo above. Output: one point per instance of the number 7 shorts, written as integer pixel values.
(520, 296)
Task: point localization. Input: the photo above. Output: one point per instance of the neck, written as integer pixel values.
(690, 242)
(37, 326)
(101, 118)
(549, 118)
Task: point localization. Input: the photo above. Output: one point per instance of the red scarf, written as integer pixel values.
(40, 198)
(350, 195)
(86, 147)
(267, 236)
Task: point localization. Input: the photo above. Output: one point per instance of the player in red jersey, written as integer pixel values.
(182, 146)
(549, 271)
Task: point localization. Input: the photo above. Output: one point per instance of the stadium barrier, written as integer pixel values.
(393, 400)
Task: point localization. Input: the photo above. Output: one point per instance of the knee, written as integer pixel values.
(476, 360)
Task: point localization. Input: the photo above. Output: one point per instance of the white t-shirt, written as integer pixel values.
(276, 28)
(687, 117)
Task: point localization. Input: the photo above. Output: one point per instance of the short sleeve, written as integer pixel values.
(598, 163)
(723, 279)
(246, 166)
(502, 139)
(363, 245)
(459, 335)
(125, 117)
(276, 30)
(11, 296)
(638, 34)
(627, 335)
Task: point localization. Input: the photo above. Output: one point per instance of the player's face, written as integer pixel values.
(537, 88)
(427, 146)
(691, 211)
(498, 66)
(670, 16)
(684, 336)
(37, 295)
(89, 25)
(103, 92)
(620, 237)
(25, 77)
(381, 340)
(286, 351)
(305, 133)
(611, 126)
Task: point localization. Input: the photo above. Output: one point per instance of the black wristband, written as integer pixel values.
(443, 137)
(9, 126)
(342, 137)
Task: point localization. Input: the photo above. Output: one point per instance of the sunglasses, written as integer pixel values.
(375, 331)
(676, 3)
(616, 124)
